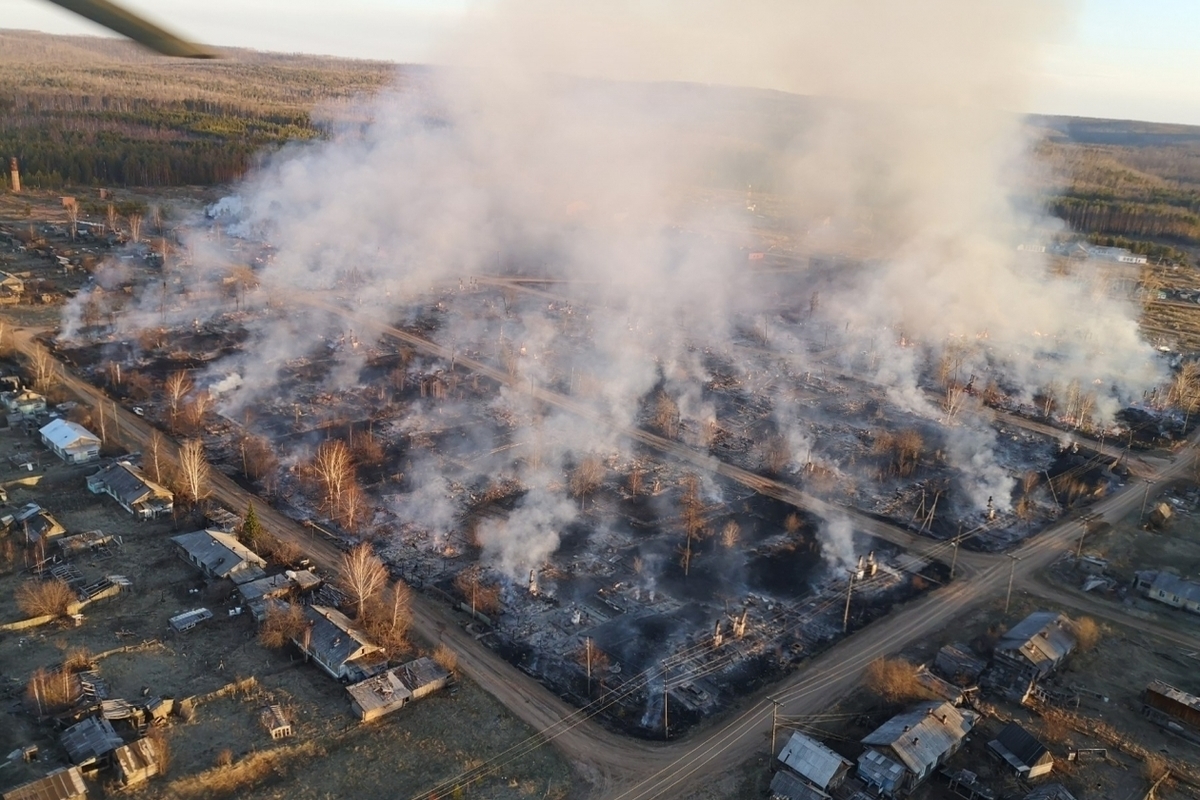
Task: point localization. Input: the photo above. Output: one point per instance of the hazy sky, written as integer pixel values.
(1135, 59)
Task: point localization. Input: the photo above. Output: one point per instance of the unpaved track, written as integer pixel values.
(622, 769)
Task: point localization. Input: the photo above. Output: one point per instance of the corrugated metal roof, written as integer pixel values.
(879, 769)
(1172, 584)
(921, 736)
(1018, 743)
(1044, 638)
(811, 759)
(1179, 696)
(62, 784)
(90, 739)
(62, 433)
(219, 553)
(333, 638)
(127, 483)
(788, 786)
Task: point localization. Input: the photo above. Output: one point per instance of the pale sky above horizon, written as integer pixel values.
(1125, 59)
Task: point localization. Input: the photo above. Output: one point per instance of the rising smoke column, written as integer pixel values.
(522, 155)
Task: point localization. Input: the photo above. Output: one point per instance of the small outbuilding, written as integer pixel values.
(62, 784)
(958, 664)
(70, 441)
(37, 525)
(137, 762)
(90, 743)
(815, 763)
(220, 555)
(392, 690)
(276, 723)
(1025, 755)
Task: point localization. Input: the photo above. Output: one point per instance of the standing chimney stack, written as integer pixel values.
(16, 175)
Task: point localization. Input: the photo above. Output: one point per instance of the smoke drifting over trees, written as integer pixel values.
(524, 157)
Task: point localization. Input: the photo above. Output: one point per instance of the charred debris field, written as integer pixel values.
(591, 549)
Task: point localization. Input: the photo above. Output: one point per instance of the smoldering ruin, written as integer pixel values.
(649, 378)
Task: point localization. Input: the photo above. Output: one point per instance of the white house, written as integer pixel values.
(70, 441)
(1170, 589)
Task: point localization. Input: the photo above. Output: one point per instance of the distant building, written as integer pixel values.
(392, 690)
(811, 769)
(70, 441)
(333, 641)
(62, 784)
(136, 493)
(1035, 646)
(1169, 589)
(908, 748)
(220, 555)
(1119, 254)
(26, 404)
(1025, 755)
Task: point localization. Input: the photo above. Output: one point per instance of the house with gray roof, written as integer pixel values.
(62, 784)
(220, 555)
(36, 524)
(1170, 590)
(395, 688)
(1035, 646)
(130, 487)
(813, 762)
(904, 751)
(70, 441)
(338, 646)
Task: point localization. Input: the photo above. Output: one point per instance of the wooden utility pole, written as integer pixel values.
(774, 723)
(1050, 483)
(954, 560)
(666, 719)
(1145, 499)
(846, 614)
(1012, 571)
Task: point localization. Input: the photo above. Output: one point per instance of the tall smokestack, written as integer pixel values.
(16, 175)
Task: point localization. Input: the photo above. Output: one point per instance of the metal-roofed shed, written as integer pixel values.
(90, 741)
(813, 761)
(786, 786)
(62, 784)
(1016, 747)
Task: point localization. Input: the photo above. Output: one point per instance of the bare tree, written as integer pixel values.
(193, 470)
(363, 575)
(776, 455)
(636, 478)
(72, 216)
(587, 477)
(692, 517)
(177, 387)
(135, 227)
(110, 217)
(332, 467)
(40, 598)
(731, 534)
(666, 416)
(155, 447)
(282, 624)
(43, 368)
(259, 462)
(195, 409)
(386, 618)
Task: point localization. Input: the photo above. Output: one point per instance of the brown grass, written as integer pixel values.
(234, 778)
(446, 658)
(1088, 633)
(224, 758)
(894, 680)
(39, 598)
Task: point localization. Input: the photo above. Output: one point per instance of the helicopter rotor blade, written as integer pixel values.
(139, 29)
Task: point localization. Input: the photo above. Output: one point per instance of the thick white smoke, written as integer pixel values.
(523, 156)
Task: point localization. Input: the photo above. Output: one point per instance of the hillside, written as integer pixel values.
(88, 110)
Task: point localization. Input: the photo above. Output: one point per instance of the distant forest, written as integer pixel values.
(92, 111)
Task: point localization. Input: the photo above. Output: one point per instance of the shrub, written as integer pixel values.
(39, 598)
